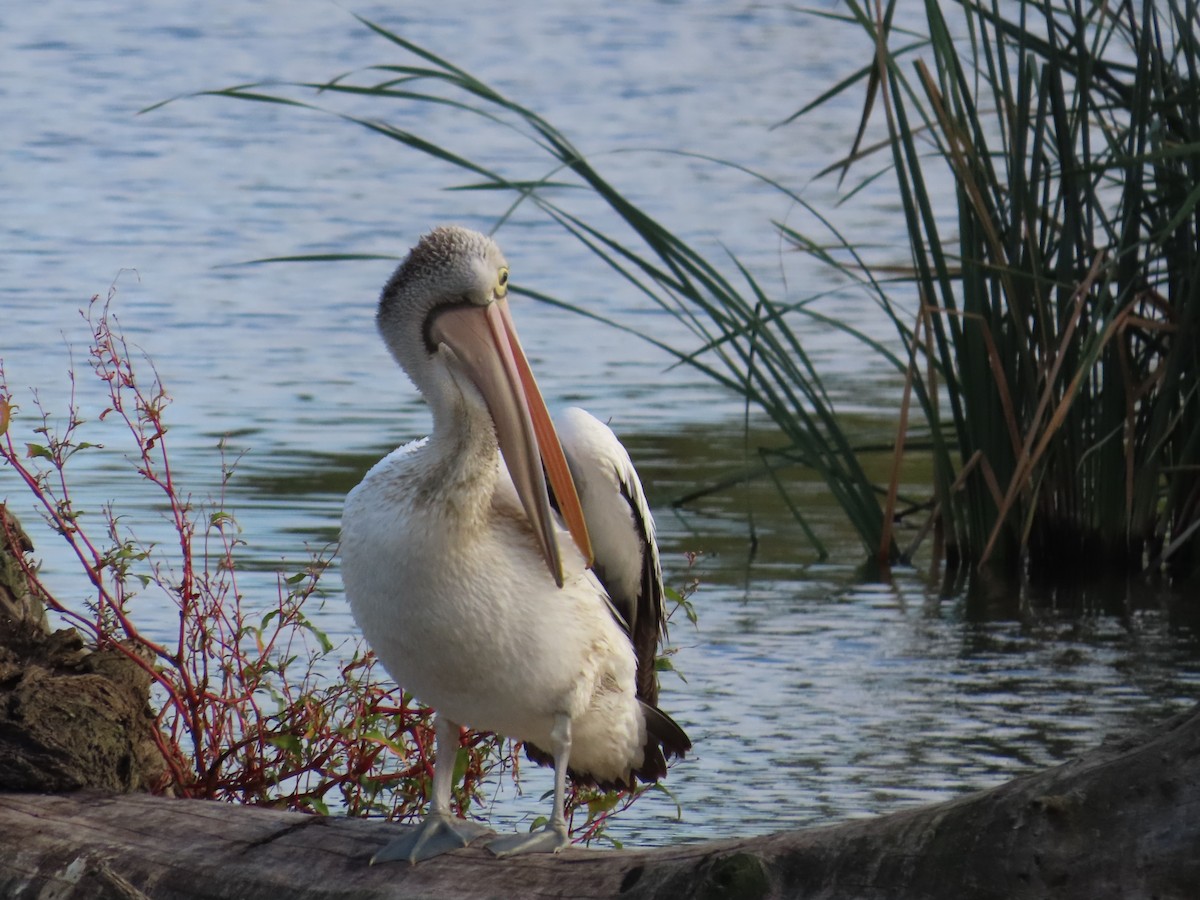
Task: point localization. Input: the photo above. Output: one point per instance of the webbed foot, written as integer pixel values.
(550, 839)
(435, 835)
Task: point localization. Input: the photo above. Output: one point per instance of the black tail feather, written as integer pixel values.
(664, 740)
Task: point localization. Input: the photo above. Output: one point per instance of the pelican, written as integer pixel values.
(504, 571)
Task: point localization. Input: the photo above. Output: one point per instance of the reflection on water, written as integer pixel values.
(813, 693)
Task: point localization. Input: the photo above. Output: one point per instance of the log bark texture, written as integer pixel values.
(71, 717)
(1122, 821)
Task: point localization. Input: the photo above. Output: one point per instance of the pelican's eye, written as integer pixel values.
(502, 282)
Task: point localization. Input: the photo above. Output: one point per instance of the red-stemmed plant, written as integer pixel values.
(246, 709)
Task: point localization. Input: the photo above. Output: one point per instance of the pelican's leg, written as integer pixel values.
(553, 837)
(439, 832)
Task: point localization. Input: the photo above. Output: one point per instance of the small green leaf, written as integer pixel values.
(286, 742)
(603, 803)
(37, 451)
(220, 519)
(461, 760)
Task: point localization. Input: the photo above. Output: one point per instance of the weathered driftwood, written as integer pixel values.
(70, 717)
(1122, 821)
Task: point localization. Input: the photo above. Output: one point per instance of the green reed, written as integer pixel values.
(1058, 308)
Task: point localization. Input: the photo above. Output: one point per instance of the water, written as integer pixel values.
(812, 694)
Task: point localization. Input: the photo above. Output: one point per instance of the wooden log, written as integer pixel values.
(1123, 821)
(71, 717)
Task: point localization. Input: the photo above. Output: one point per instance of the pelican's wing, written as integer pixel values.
(622, 534)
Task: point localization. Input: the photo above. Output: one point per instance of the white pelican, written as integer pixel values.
(468, 563)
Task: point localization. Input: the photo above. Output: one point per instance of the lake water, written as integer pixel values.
(812, 694)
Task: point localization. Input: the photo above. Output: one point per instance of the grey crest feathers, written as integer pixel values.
(449, 265)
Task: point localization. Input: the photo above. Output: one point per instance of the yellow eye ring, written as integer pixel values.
(502, 281)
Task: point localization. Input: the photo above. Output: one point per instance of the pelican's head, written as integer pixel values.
(444, 316)
(450, 267)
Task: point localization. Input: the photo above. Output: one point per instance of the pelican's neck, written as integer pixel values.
(461, 455)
